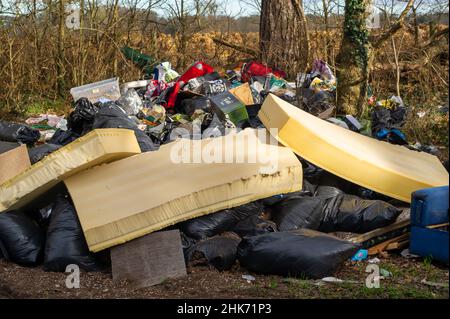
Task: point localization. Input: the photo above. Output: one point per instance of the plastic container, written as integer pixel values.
(133, 85)
(106, 89)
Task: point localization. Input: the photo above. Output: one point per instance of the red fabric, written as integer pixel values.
(254, 68)
(198, 69)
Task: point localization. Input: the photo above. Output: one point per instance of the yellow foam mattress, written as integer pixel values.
(135, 196)
(97, 147)
(385, 168)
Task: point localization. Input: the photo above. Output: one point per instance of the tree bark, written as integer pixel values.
(284, 40)
(353, 59)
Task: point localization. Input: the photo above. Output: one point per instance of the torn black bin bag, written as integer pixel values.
(254, 226)
(353, 214)
(82, 117)
(220, 222)
(21, 239)
(110, 115)
(37, 153)
(298, 212)
(63, 137)
(299, 253)
(65, 240)
(219, 252)
(18, 133)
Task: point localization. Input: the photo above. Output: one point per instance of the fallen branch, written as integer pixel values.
(239, 48)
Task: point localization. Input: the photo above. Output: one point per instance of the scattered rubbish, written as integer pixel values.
(299, 253)
(249, 278)
(13, 160)
(130, 102)
(385, 273)
(98, 146)
(21, 239)
(361, 255)
(388, 117)
(399, 171)
(65, 244)
(407, 254)
(334, 280)
(374, 261)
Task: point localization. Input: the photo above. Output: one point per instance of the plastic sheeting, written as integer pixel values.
(389, 169)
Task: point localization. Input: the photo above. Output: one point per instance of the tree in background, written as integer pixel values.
(284, 40)
(356, 54)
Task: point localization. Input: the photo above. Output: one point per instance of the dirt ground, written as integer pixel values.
(202, 282)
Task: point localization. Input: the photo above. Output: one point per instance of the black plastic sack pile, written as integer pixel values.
(21, 239)
(219, 252)
(356, 215)
(37, 153)
(299, 253)
(82, 117)
(220, 222)
(254, 226)
(18, 133)
(332, 211)
(110, 115)
(65, 240)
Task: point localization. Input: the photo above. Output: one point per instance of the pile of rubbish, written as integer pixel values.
(310, 219)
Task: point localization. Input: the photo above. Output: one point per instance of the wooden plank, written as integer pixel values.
(437, 226)
(149, 260)
(398, 245)
(383, 246)
(380, 231)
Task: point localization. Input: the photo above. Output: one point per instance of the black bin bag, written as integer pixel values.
(65, 240)
(18, 133)
(254, 226)
(353, 214)
(219, 252)
(21, 239)
(37, 153)
(298, 212)
(220, 222)
(110, 115)
(299, 253)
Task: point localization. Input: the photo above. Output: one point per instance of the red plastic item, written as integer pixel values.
(198, 69)
(254, 68)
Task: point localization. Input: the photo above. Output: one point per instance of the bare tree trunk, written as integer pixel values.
(284, 40)
(353, 58)
(60, 72)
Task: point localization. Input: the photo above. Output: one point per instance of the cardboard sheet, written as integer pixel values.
(14, 160)
(243, 93)
(97, 147)
(144, 193)
(385, 168)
